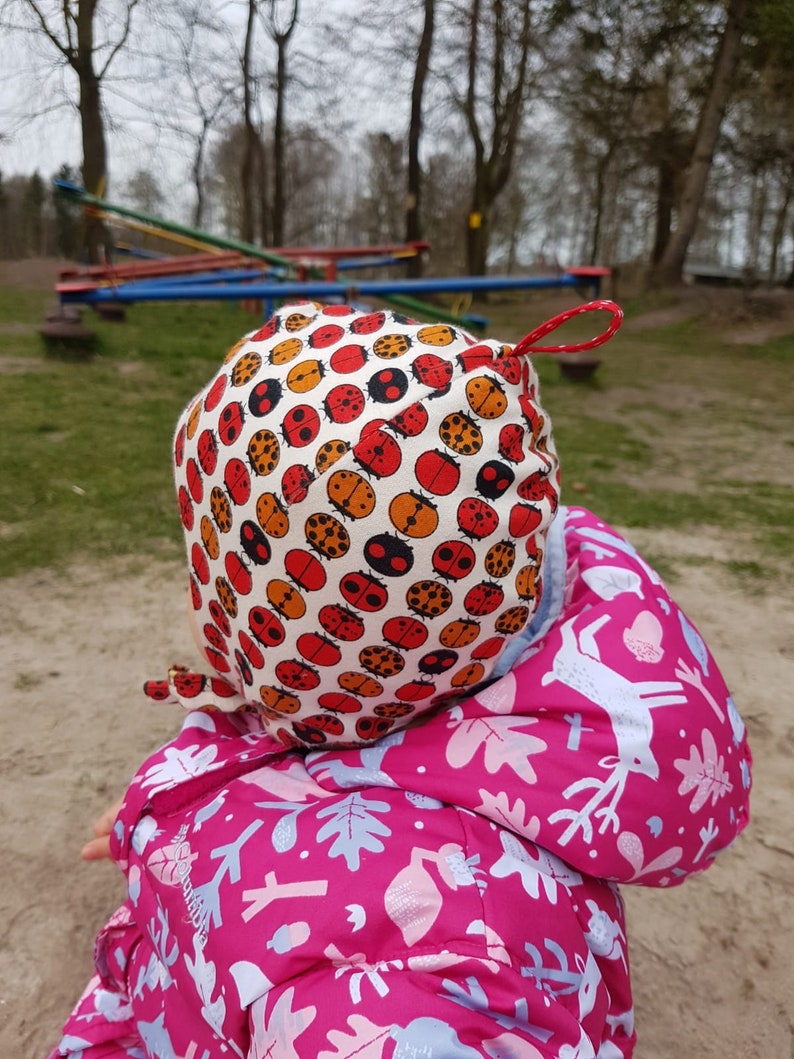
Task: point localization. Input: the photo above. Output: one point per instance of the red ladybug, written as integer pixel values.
(373, 727)
(488, 648)
(295, 482)
(482, 599)
(230, 422)
(195, 483)
(494, 479)
(524, 519)
(316, 729)
(348, 359)
(476, 357)
(388, 385)
(404, 632)
(189, 684)
(364, 591)
(344, 403)
(237, 481)
(179, 445)
(218, 615)
(201, 566)
(250, 650)
(389, 555)
(431, 370)
(266, 626)
(411, 421)
(214, 637)
(207, 451)
(318, 649)
(255, 543)
(476, 518)
(538, 488)
(186, 513)
(195, 594)
(415, 690)
(510, 368)
(337, 310)
(301, 425)
(267, 330)
(214, 394)
(325, 335)
(338, 702)
(511, 443)
(340, 622)
(217, 660)
(378, 453)
(437, 472)
(296, 675)
(453, 559)
(369, 324)
(264, 397)
(238, 573)
(305, 569)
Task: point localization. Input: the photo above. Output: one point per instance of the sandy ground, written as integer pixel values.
(713, 961)
(713, 967)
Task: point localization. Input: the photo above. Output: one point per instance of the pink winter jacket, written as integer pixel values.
(449, 892)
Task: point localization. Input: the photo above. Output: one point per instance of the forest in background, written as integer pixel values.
(521, 133)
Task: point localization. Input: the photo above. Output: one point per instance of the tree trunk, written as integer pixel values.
(413, 210)
(669, 270)
(92, 127)
(779, 231)
(248, 165)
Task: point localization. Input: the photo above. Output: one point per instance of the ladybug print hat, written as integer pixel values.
(365, 501)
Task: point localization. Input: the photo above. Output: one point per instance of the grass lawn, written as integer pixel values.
(678, 428)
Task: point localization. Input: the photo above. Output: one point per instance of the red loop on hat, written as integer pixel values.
(527, 344)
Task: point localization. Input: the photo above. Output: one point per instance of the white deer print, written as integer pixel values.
(628, 705)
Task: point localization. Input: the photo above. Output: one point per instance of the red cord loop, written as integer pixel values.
(527, 344)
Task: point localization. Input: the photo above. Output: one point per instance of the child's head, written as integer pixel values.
(365, 502)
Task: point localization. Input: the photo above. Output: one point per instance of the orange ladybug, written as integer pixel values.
(387, 347)
(360, 684)
(512, 620)
(271, 515)
(413, 515)
(226, 596)
(285, 351)
(428, 598)
(328, 453)
(264, 452)
(351, 494)
(528, 581)
(459, 433)
(209, 537)
(285, 599)
(327, 535)
(500, 558)
(486, 397)
(382, 661)
(245, 368)
(393, 709)
(305, 375)
(278, 700)
(193, 419)
(459, 633)
(238, 345)
(297, 322)
(221, 509)
(468, 675)
(436, 335)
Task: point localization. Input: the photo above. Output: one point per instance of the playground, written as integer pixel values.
(713, 974)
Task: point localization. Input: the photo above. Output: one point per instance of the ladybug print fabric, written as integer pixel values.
(344, 471)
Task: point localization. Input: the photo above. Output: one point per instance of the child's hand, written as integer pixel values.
(99, 846)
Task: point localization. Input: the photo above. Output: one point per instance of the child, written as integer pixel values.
(445, 717)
